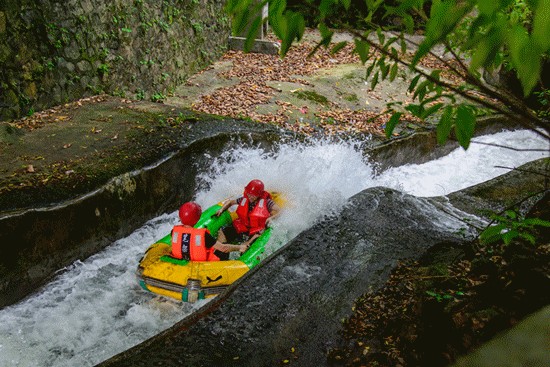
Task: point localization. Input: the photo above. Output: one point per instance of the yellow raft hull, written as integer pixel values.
(169, 279)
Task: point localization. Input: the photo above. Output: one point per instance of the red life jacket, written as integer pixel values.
(197, 250)
(253, 221)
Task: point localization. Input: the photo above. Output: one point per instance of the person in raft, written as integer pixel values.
(197, 244)
(255, 210)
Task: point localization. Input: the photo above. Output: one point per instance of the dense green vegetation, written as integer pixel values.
(480, 38)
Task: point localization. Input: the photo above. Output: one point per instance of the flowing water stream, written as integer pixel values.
(95, 309)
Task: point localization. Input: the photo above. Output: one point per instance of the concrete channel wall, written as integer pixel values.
(53, 52)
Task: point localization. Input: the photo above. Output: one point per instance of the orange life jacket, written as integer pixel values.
(197, 250)
(253, 221)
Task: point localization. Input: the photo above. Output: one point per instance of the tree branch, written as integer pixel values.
(511, 148)
(519, 114)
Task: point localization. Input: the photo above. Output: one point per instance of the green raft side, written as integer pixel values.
(252, 256)
(213, 223)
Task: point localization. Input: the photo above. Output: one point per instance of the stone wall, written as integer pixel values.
(54, 51)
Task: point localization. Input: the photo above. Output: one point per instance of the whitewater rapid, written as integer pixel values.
(95, 309)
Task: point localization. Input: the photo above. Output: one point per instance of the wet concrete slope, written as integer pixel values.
(290, 308)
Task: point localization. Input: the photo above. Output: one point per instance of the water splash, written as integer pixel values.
(95, 309)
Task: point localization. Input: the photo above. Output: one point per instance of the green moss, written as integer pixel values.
(352, 97)
(439, 269)
(311, 96)
(2, 22)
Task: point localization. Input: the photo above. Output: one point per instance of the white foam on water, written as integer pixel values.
(464, 168)
(95, 309)
(91, 311)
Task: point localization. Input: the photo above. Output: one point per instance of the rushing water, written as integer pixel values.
(95, 309)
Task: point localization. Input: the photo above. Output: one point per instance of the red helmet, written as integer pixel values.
(190, 213)
(254, 187)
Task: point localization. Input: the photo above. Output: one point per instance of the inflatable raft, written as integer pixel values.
(190, 281)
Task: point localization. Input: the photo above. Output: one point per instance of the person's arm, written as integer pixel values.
(249, 242)
(225, 247)
(226, 205)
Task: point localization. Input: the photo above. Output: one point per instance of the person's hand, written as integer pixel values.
(224, 248)
(243, 247)
(219, 212)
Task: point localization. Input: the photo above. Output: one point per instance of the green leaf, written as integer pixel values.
(392, 123)
(252, 32)
(337, 47)
(541, 25)
(362, 49)
(415, 109)
(326, 7)
(240, 21)
(507, 237)
(413, 83)
(346, 4)
(277, 20)
(488, 7)
(526, 57)
(511, 214)
(486, 51)
(464, 125)
(529, 237)
(384, 68)
(326, 34)
(517, 37)
(403, 44)
(291, 27)
(445, 124)
(393, 72)
(444, 17)
(389, 42)
(537, 222)
(381, 36)
(421, 90)
(370, 69)
(409, 23)
(431, 110)
(374, 80)
(529, 71)
(492, 234)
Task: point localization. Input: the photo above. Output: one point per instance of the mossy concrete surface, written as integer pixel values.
(60, 153)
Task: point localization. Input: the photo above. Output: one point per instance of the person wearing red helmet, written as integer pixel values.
(197, 244)
(255, 210)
